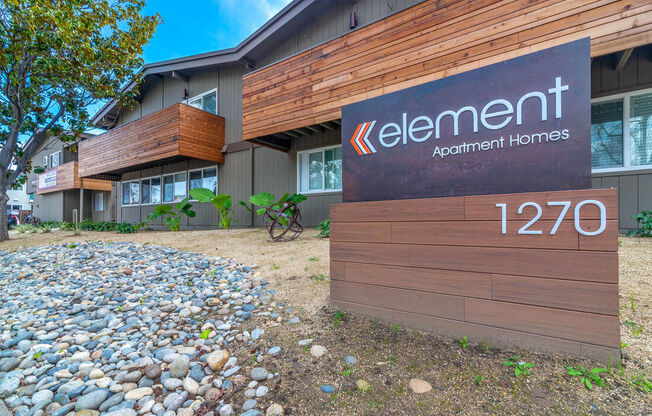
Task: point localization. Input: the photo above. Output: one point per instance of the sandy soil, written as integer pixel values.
(466, 381)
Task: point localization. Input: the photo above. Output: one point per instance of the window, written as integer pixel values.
(98, 201)
(55, 159)
(320, 170)
(174, 187)
(130, 193)
(45, 162)
(14, 207)
(621, 132)
(204, 178)
(206, 101)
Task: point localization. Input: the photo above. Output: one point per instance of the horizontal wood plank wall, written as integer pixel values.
(179, 130)
(68, 178)
(426, 42)
(442, 264)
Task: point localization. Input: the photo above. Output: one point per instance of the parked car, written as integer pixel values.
(12, 220)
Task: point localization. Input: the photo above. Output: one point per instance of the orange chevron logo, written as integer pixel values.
(360, 139)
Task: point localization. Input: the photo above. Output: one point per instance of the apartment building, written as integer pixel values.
(264, 116)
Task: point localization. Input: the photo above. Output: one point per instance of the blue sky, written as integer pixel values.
(195, 26)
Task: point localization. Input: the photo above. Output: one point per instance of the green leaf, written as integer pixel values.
(297, 198)
(574, 372)
(517, 371)
(598, 370)
(509, 363)
(202, 194)
(244, 205)
(588, 384)
(528, 365)
(205, 334)
(262, 199)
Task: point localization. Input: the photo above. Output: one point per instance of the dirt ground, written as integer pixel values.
(466, 381)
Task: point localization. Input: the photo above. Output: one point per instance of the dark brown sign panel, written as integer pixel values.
(517, 126)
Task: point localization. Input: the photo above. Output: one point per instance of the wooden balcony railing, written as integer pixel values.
(177, 132)
(65, 177)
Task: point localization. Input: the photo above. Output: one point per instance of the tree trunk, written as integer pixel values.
(4, 230)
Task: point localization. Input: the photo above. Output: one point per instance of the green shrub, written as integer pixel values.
(644, 219)
(125, 228)
(222, 203)
(46, 228)
(324, 228)
(169, 216)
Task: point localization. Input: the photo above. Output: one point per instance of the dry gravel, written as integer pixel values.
(389, 356)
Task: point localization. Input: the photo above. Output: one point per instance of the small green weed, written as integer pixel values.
(588, 377)
(632, 302)
(463, 342)
(337, 318)
(478, 379)
(38, 354)
(395, 328)
(205, 334)
(313, 259)
(642, 383)
(346, 373)
(275, 267)
(636, 328)
(520, 367)
(71, 246)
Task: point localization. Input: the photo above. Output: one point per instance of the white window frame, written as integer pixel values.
(323, 176)
(626, 97)
(209, 92)
(60, 153)
(217, 180)
(162, 186)
(95, 195)
(150, 190)
(122, 187)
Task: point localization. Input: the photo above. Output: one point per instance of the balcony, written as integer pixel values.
(65, 177)
(174, 133)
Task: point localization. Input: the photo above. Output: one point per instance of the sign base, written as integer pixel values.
(533, 270)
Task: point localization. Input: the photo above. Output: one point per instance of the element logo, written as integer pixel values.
(360, 139)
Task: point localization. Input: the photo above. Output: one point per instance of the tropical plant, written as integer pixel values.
(588, 377)
(46, 228)
(268, 204)
(222, 203)
(520, 367)
(324, 228)
(644, 219)
(57, 59)
(169, 216)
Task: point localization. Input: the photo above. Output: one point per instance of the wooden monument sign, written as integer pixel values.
(466, 211)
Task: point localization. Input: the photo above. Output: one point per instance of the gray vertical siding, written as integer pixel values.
(333, 22)
(634, 195)
(229, 101)
(235, 179)
(637, 73)
(49, 207)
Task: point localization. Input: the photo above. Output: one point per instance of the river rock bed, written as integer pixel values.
(126, 329)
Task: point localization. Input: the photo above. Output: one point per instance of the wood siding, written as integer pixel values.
(179, 130)
(427, 42)
(68, 178)
(442, 264)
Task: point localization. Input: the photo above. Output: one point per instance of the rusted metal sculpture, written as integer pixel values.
(285, 222)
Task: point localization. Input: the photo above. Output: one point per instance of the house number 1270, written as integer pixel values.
(565, 207)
